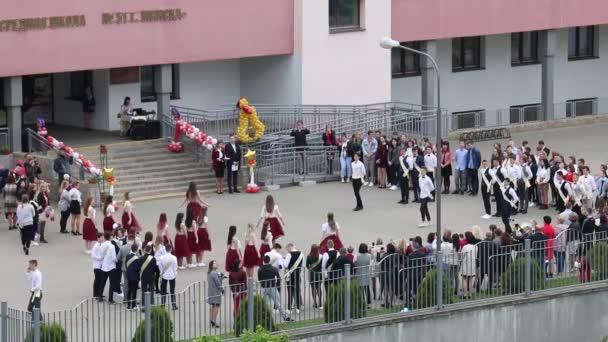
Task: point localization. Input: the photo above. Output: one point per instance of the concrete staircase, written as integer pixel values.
(149, 171)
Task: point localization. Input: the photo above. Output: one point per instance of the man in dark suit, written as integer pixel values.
(233, 162)
(148, 271)
(340, 265)
(473, 163)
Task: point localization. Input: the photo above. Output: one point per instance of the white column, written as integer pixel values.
(163, 81)
(429, 85)
(548, 48)
(13, 98)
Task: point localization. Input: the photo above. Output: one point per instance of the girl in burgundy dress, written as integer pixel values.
(192, 243)
(382, 161)
(181, 242)
(234, 248)
(108, 210)
(330, 230)
(193, 198)
(89, 229)
(272, 215)
(266, 242)
(162, 229)
(202, 235)
(129, 221)
(251, 259)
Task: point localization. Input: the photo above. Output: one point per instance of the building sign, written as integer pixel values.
(150, 16)
(42, 23)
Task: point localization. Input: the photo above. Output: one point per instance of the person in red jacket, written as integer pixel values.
(549, 232)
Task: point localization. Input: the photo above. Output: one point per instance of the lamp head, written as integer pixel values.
(388, 43)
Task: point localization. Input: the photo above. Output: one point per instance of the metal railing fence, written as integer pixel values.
(380, 283)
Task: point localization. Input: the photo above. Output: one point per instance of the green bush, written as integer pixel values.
(599, 261)
(50, 333)
(209, 339)
(161, 327)
(426, 294)
(262, 316)
(514, 278)
(263, 335)
(333, 310)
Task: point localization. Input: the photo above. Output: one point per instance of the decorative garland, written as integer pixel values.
(250, 128)
(251, 162)
(182, 127)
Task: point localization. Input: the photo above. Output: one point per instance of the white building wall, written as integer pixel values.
(272, 80)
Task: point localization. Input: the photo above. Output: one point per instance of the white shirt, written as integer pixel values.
(449, 257)
(75, 195)
(92, 213)
(325, 259)
(516, 172)
(108, 256)
(96, 256)
(542, 175)
(35, 279)
(25, 214)
(426, 187)
(110, 210)
(159, 251)
(566, 215)
(167, 265)
(287, 259)
(358, 170)
(326, 229)
(275, 212)
(589, 183)
(513, 194)
(430, 162)
(275, 258)
(409, 162)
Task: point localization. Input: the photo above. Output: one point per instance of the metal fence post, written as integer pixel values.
(36, 319)
(438, 262)
(4, 322)
(250, 304)
(347, 294)
(147, 316)
(527, 271)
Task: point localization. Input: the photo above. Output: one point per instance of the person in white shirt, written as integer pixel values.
(275, 256)
(34, 277)
(563, 189)
(430, 164)
(589, 187)
(543, 176)
(509, 203)
(358, 175)
(96, 259)
(25, 221)
(427, 187)
(75, 203)
(486, 188)
(108, 263)
(167, 265)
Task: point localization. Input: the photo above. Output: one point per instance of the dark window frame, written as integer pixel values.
(403, 71)
(462, 66)
(456, 119)
(591, 32)
(77, 94)
(575, 102)
(534, 39)
(337, 27)
(538, 106)
(150, 96)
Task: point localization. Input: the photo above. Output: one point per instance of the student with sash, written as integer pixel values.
(132, 269)
(418, 164)
(403, 174)
(270, 281)
(487, 188)
(147, 274)
(167, 265)
(313, 264)
(358, 176)
(509, 203)
(34, 277)
(108, 263)
(327, 263)
(427, 188)
(523, 183)
(430, 164)
(563, 190)
(292, 264)
(578, 194)
(497, 180)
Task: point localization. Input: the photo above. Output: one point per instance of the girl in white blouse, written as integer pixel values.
(271, 214)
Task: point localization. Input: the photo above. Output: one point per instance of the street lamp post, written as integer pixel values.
(388, 43)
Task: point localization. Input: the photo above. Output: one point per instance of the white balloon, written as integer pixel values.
(209, 147)
(191, 135)
(56, 143)
(196, 130)
(75, 155)
(214, 141)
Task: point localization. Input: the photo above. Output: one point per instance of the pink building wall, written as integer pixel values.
(436, 19)
(211, 30)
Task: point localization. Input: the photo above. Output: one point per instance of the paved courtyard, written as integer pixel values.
(67, 270)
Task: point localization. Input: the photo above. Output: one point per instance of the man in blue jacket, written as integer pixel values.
(473, 163)
(133, 267)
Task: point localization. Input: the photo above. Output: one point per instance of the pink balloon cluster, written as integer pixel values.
(79, 159)
(195, 134)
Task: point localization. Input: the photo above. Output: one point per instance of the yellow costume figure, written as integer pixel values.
(250, 129)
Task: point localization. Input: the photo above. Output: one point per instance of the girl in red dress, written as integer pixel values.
(193, 198)
(162, 229)
(234, 248)
(192, 243)
(202, 234)
(266, 243)
(108, 211)
(181, 242)
(251, 259)
(129, 221)
(272, 215)
(330, 231)
(89, 229)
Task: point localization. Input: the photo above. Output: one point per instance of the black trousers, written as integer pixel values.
(35, 303)
(357, 188)
(132, 294)
(424, 209)
(559, 204)
(294, 293)
(506, 216)
(416, 186)
(102, 286)
(498, 196)
(147, 286)
(393, 174)
(232, 177)
(404, 185)
(163, 290)
(64, 220)
(115, 275)
(367, 294)
(432, 177)
(473, 180)
(315, 289)
(485, 195)
(96, 280)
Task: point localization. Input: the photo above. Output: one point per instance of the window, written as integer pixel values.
(468, 119)
(524, 48)
(581, 107)
(581, 42)
(524, 113)
(405, 63)
(466, 53)
(79, 81)
(148, 83)
(344, 15)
